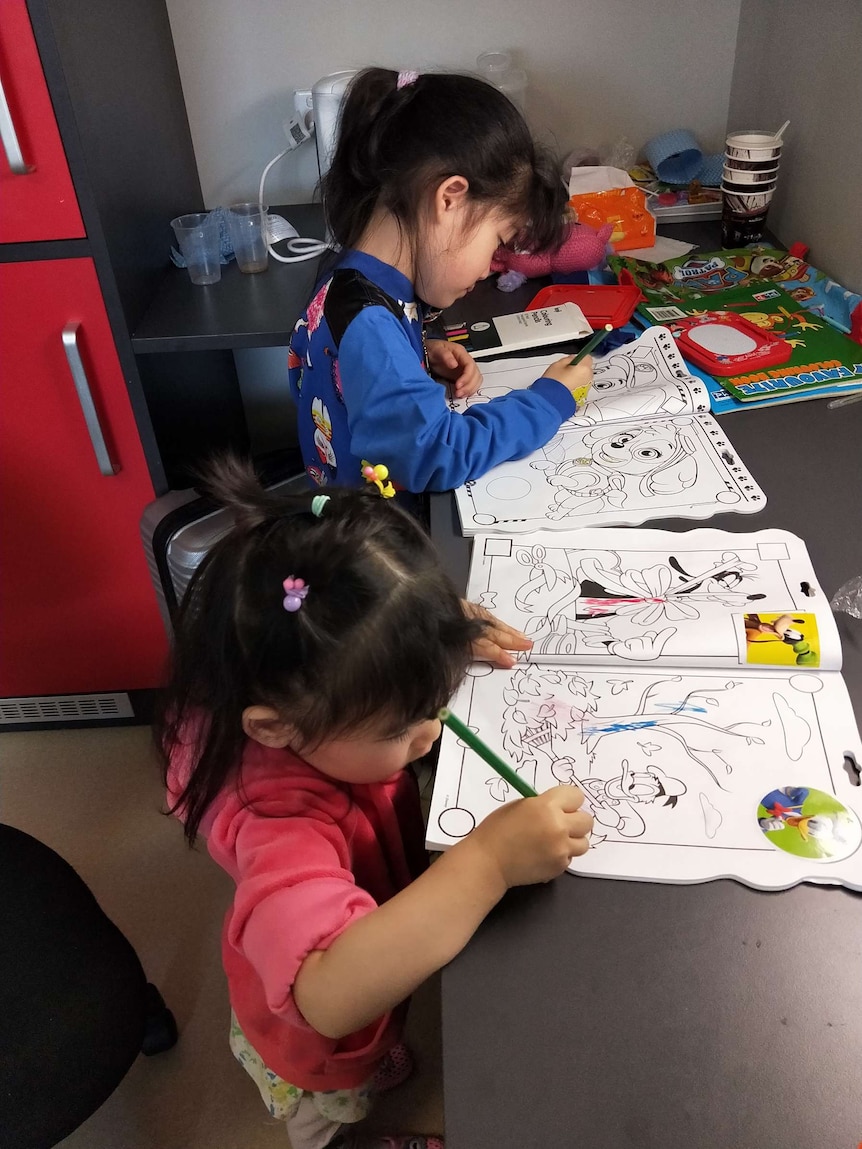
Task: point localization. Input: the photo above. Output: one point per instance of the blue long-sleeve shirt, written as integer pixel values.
(357, 372)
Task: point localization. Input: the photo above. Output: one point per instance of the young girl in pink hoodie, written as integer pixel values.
(314, 646)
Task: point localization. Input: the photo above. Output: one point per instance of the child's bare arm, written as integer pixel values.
(384, 956)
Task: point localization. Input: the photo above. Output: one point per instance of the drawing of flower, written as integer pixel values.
(652, 591)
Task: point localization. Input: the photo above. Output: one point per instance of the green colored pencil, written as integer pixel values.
(596, 339)
(486, 753)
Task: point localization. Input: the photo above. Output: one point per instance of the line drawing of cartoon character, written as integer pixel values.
(535, 716)
(572, 609)
(323, 433)
(629, 388)
(659, 455)
(612, 801)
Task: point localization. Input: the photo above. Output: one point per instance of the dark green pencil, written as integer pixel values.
(596, 339)
(486, 753)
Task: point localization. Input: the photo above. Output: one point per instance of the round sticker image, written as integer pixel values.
(809, 823)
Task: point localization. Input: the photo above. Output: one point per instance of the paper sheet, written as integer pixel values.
(689, 777)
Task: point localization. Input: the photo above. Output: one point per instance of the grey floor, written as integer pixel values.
(95, 797)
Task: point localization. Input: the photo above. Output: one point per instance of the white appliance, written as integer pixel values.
(326, 97)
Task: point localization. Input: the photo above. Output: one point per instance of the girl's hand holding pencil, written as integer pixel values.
(534, 839)
(577, 373)
(576, 377)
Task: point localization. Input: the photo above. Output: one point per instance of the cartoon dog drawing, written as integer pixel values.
(660, 456)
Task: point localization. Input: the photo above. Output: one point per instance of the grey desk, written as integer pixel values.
(607, 1015)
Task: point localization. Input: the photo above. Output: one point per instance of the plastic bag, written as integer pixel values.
(848, 598)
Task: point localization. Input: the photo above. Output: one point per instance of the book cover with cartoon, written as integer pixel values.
(818, 354)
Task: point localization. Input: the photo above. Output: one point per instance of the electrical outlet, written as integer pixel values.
(302, 107)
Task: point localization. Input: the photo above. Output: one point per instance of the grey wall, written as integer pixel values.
(803, 61)
(597, 69)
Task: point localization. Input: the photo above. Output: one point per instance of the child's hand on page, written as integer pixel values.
(572, 377)
(498, 640)
(534, 839)
(452, 362)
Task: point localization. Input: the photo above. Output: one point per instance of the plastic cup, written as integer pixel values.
(247, 224)
(736, 175)
(200, 245)
(753, 145)
(745, 198)
(752, 165)
(743, 216)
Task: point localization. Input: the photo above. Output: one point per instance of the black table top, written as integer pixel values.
(238, 311)
(616, 1014)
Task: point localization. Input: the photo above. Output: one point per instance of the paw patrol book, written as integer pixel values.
(642, 446)
(738, 332)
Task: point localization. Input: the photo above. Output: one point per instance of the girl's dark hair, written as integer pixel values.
(381, 635)
(394, 144)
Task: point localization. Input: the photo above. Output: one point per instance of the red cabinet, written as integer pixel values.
(78, 612)
(77, 607)
(37, 198)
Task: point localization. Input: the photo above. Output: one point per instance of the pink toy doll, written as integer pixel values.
(581, 249)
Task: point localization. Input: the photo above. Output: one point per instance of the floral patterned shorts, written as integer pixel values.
(282, 1099)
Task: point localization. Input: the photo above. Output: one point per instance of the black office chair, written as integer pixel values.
(75, 1005)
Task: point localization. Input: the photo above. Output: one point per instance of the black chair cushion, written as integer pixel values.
(72, 997)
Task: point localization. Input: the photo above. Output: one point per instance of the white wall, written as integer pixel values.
(597, 69)
(802, 61)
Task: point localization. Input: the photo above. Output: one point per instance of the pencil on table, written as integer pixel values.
(486, 753)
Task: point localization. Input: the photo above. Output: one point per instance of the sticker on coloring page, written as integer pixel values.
(809, 824)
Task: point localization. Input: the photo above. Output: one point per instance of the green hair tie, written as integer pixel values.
(317, 505)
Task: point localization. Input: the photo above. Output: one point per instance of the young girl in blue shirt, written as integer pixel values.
(430, 175)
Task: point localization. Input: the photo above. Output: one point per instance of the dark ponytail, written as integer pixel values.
(396, 144)
(381, 634)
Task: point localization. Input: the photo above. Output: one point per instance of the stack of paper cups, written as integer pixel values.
(751, 162)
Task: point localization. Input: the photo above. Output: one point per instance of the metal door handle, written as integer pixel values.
(9, 136)
(85, 397)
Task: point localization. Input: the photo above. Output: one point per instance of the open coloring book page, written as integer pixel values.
(728, 774)
(701, 598)
(609, 465)
(643, 378)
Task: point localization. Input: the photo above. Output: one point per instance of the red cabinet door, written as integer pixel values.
(77, 607)
(37, 199)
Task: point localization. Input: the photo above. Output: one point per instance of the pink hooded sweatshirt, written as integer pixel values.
(309, 857)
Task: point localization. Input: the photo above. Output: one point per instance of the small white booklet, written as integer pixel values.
(558, 324)
(642, 447)
(689, 684)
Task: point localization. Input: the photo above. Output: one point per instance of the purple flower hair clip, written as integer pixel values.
(295, 591)
(406, 79)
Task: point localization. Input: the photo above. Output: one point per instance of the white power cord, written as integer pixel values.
(301, 248)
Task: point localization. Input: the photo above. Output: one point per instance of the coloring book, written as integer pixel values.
(707, 273)
(689, 684)
(818, 354)
(642, 447)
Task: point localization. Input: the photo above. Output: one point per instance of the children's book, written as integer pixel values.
(705, 273)
(642, 447)
(561, 323)
(728, 329)
(689, 684)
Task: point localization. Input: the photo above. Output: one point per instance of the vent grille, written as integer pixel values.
(65, 708)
